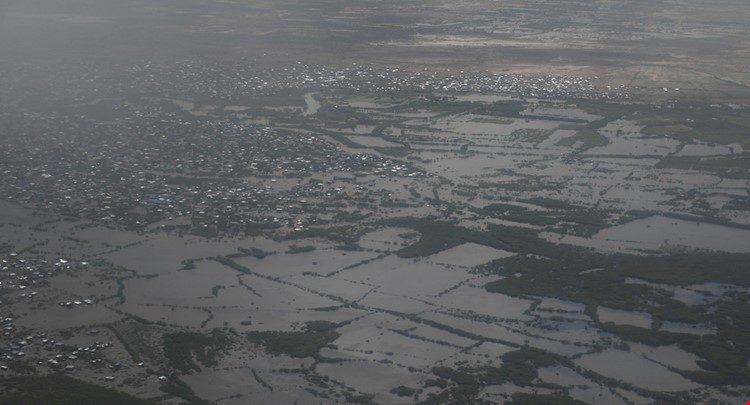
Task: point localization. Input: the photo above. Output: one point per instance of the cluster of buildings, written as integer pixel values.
(120, 152)
(23, 349)
(246, 79)
(20, 275)
(134, 173)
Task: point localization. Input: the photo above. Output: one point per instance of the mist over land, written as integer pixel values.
(360, 201)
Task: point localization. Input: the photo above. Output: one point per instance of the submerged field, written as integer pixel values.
(344, 239)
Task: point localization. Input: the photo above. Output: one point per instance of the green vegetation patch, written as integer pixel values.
(529, 135)
(435, 236)
(258, 228)
(393, 151)
(588, 137)
(723, 354)
(403, 391)
(345, 140)
(60, 389)
(305, 343)
(520, 398)
(342, 116)
(560, 271)
(589, 134)
(568, 218)
(732, 166)
(713, 125)
(344, 216)
(517, 213)
(493, 120)
(347, 235)
(518, 367)
(255, 252)
(175, 386)
(182, 349)
(375, 99)
(294, 249)
(504, 108)
(550, 203)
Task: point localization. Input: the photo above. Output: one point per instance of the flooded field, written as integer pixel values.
(637, 370)
(312, 246)
(661, 232)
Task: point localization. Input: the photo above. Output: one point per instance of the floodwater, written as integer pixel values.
(681, 327)
(659, 232)
(184, 104)
(631, 367)
(691, 295)
(580, 387)
(366, 105)
(620, 317)
(396, 276)
(373, 142)
(362, 129)
(625, 139)
(708, 150)
(236, 108)
(563, 112)
(382, 297)
(391, 238)
(468, 255)
(483, 98)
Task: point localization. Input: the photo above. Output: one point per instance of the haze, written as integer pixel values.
(374, 202)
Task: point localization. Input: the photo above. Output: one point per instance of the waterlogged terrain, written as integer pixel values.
(315, 234)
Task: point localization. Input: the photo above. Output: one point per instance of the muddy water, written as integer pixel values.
(633, 368)
(661, 232)
(620, 317)
(312, 105)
